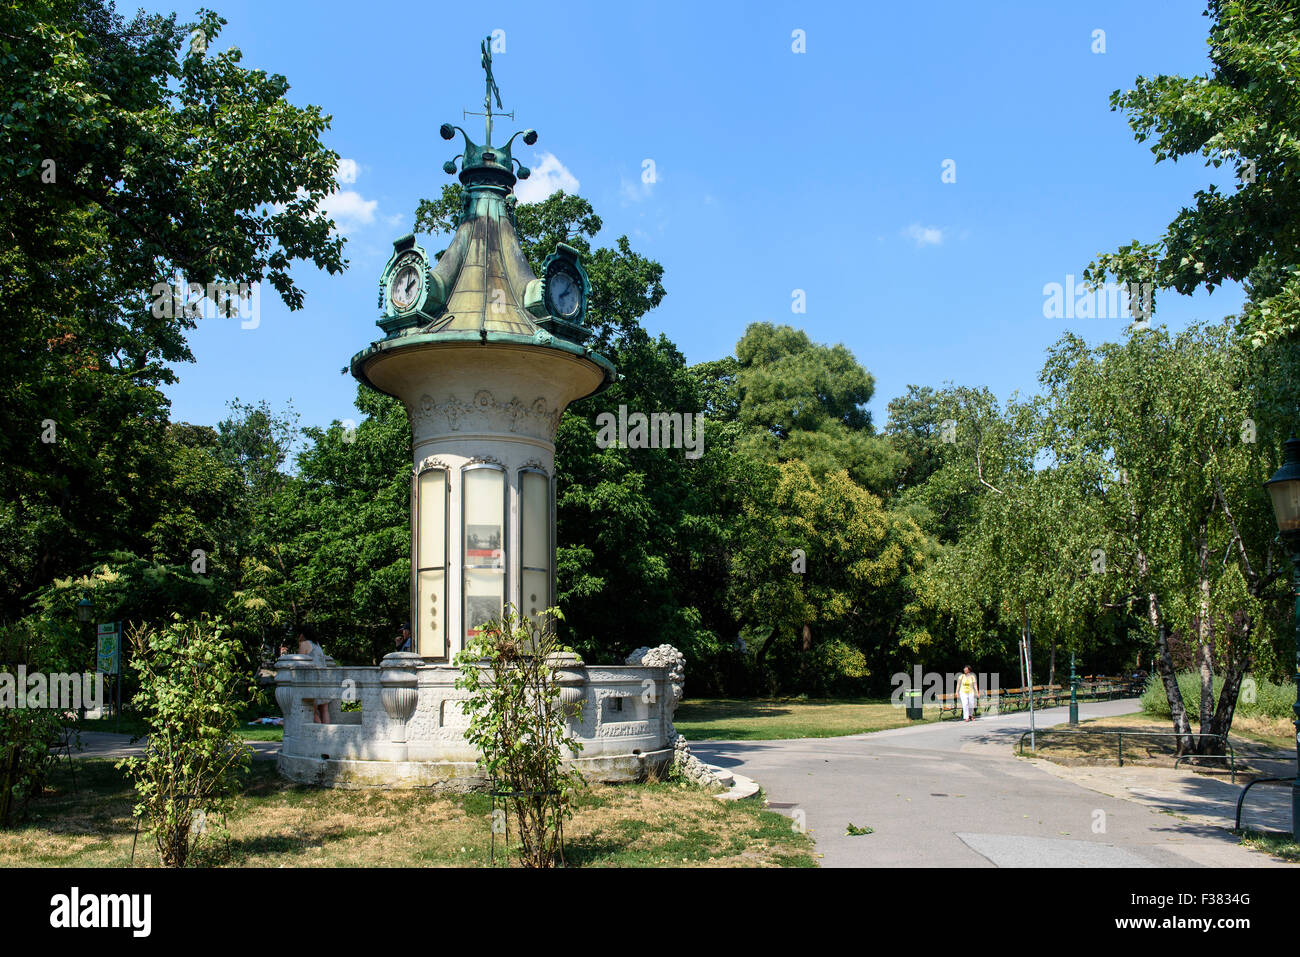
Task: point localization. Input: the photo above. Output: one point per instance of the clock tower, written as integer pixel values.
(486, 356)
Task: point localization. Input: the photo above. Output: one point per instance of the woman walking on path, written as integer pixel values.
(968, 689)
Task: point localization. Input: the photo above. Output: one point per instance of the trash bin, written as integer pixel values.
(913, 701)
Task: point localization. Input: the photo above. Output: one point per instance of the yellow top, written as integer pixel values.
(966, 683)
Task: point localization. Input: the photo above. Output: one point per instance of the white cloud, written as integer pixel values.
(548, 175)
(924, 235)
(347, 171)
(349, 209)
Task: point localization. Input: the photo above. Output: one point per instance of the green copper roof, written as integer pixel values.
(482, 288)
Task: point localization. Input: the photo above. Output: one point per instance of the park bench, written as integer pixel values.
(1017, 699)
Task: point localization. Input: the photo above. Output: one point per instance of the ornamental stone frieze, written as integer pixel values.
(487, 414)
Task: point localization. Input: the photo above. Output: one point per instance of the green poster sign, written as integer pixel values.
(109, 652)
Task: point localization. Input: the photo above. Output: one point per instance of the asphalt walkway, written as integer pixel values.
(953, 794)
(106, 744)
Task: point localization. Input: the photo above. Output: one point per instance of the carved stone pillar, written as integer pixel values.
(399, 690)
(287, 695)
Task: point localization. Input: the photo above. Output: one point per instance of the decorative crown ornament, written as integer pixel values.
(487, 164)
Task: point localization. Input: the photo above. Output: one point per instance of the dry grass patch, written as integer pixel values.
(279, 824)
(1151, 749)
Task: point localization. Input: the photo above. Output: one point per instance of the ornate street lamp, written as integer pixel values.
(1284, 488)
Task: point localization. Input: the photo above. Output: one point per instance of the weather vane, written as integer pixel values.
(490, 92)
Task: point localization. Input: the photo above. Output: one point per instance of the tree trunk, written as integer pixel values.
(7, 781)
(1204, 643)
(1221, 723)
(1233, 674)
(1165, 668)
(1164, 663)
(1051, 666)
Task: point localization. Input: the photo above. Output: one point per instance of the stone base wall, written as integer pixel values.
(409, 731)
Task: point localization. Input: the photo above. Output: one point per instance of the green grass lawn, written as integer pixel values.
(766, 719)
(279, 824)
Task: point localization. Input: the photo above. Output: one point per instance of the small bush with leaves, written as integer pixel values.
(518, 725)
(191, 692)
(1269, 699)
(29, 736)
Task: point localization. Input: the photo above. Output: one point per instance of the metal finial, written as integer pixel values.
(490, 91)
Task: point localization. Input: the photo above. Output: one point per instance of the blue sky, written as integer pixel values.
(775, 171)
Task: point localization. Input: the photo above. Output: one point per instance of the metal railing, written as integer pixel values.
(1242, 797)
(1119, 740)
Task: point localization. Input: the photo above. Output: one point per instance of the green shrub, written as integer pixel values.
(29, 736)
(518, 724)
(27, 739)
(192, 693)
(1270, 700)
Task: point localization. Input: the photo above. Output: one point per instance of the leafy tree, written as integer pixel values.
(128, 153)
(829, 608)
(1159, 432)
(29, 735)
(1134, 491)
(802, 401)
(915, 429)
(1246, 113)
(202, 503)
(335, 543)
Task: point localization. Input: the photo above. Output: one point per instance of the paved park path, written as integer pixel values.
(106, 744)
(952, 794)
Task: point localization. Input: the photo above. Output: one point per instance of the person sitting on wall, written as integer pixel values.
(307, 645)
(404, 638)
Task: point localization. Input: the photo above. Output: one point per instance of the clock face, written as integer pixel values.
(565, 294)
(404, 288)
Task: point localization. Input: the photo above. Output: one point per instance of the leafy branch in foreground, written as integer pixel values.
(191, 691)
(519, 725)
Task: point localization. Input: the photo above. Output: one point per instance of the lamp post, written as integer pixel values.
(85, 608)
(1284, 488)
(1074, 688)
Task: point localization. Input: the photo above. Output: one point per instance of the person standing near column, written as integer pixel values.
(308, 645)
(968, 689)
(403, 642)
